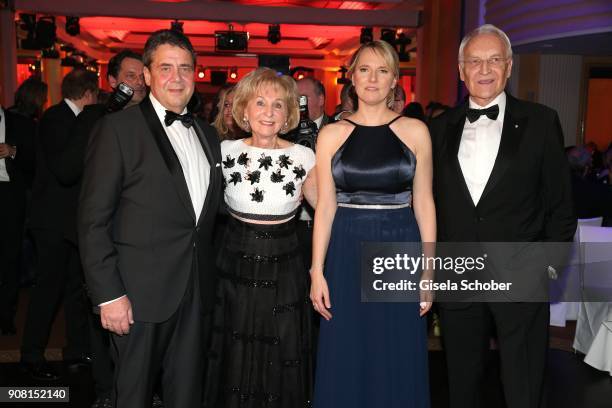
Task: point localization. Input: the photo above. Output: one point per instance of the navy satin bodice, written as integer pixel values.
(373, 166)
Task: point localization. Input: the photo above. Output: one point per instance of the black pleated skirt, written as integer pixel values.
(261, 347)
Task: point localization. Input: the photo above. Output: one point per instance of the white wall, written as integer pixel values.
(559, 88)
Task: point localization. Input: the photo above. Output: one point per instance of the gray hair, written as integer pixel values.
(486, 29)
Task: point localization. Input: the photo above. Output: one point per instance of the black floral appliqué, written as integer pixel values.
(284, 161)
(265, 161)
(243, 159)
(253, 176)
(257, 195)
(235, 178)
(299, 172)
(289, 188)
(228, 163)
(277, 177)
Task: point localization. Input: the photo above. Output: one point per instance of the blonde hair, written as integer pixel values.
(249, 85)
(219, 122)
(386, 51)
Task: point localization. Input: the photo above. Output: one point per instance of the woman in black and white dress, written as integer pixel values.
(260, 352)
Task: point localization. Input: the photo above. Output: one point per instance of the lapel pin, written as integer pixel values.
(516, 126)
(218, 165)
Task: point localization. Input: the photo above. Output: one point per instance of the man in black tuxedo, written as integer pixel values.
(151, 189)
(500, 175)
(17, 134)
(59, 276)
(125, 66)
(315, 92)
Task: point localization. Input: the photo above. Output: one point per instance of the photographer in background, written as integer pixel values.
(124, 68)
(315, 92)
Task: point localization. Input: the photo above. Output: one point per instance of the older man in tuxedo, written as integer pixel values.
(150, 192)
(500, 175)
(124, 67)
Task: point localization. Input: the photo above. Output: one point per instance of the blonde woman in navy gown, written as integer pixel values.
(261, 347)
(374, 180)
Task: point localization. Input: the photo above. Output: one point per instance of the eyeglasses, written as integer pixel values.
(494, 62)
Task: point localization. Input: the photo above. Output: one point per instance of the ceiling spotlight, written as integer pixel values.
(388, 35)
(233, 73)
(343, 79)
(72, 25)
(201, 73)
(274, 34)
(177, 26)
(231, 41)
(366, 35)
(45, 32)
(403, 41)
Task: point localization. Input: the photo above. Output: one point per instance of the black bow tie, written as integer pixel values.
(186, 119)
(491, 112)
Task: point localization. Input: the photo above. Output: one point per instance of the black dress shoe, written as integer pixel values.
(75, 364)
(40, 371)
(102, 402)
(7, 327)
(157, 402)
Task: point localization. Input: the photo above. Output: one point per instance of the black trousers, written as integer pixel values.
(12, 208)
(59, 279)
(175, 348)
(102, 365)
(522, 335)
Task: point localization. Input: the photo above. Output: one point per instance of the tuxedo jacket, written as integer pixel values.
(72, 158)
(528, 195)
(20, 131)
(49, 196)
(326, 120)
(136, 224)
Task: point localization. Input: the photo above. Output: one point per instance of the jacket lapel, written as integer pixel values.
(212, 161)
(167, 153)
(512, 133)
(455, 131)
(8, 129)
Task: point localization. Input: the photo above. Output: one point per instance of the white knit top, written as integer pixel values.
(264, 184)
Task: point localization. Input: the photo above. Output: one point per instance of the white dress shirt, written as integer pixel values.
(318, 121)
(4, 176)
(187, 147)
(192, 158)
(479, 146)
(73, 107)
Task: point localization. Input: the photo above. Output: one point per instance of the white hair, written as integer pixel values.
(486, 29)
